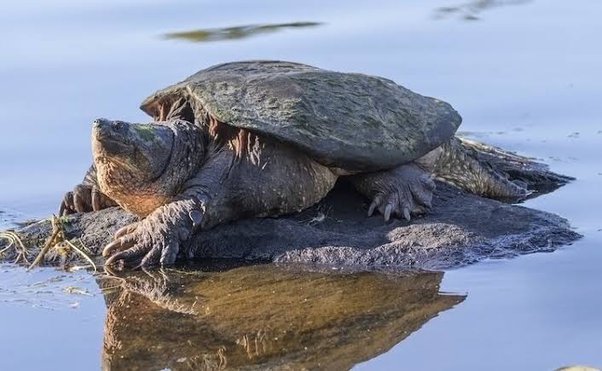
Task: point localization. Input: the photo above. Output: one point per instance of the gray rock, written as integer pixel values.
(460, 229)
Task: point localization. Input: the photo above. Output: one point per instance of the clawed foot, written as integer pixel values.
(409, 191)
(84, 198)
(147, 243)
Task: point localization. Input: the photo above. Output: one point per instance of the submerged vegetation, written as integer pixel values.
(470, 11)
(237, 32)
(15, 248)
(57, 249)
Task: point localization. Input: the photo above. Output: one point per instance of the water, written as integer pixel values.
(525, 75)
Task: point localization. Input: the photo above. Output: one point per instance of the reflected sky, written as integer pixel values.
(43, 314)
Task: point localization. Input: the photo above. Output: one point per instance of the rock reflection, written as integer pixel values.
(234, 33)
(263, 317)
(471, 11)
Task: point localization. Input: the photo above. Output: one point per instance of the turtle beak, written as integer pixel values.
(111, 136)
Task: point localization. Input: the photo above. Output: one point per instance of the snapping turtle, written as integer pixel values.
(267, 138)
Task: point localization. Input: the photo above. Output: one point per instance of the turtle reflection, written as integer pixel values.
(263, 316)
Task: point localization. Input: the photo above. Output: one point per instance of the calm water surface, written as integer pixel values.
(525, 75)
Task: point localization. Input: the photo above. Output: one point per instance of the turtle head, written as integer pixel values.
(142, 166)
(141, 151)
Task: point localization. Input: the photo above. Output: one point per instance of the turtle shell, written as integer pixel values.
(351, 121)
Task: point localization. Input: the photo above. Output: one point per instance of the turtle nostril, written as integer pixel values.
(100, 122)
(106, 127)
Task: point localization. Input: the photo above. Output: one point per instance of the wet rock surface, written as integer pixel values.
(461, 229)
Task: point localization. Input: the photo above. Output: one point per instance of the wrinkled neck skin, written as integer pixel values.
(158, 159)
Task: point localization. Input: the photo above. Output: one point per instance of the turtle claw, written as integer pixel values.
(84, 198)
(126, 257)
(406, 213)
(387, 213)
(155, 240)
(409, 191)
(169, 253)
(377, 200)
(125, 230)
(119, 244)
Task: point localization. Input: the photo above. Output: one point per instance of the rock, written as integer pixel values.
(460, 229)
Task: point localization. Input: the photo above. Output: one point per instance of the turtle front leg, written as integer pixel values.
(404, 191)
(85, 197)
(158, 238)
(165, 232)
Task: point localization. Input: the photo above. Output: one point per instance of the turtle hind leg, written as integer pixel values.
(403, 191)
(453, 164)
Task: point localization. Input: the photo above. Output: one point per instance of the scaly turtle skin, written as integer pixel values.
(267, 138)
